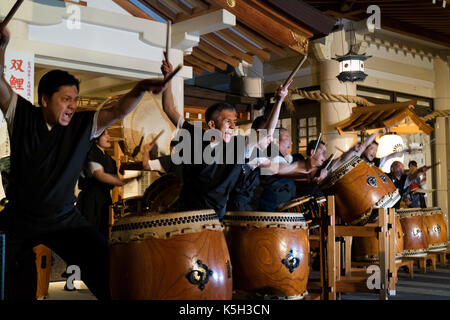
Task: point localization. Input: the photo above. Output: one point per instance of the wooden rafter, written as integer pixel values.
(160, 9)
(419, 19)
(133, 10)
(233, 37)
(199, 63)
(227, 47)
(198, 3)
(259, 39)
(179, 6)
(213, 51)
(202, 55)
(197, 70)
(255, 19)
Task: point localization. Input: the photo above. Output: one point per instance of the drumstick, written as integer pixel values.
(291, 76)
(174, 72)
(157, 137)
(10, 14)
(329, 162)
(317, 143)
(168, 37)
(436, 164)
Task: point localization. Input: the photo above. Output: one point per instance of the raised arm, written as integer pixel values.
(128, 102)
(272, 120)
(5, 89)
(369, 141)
(167, 98)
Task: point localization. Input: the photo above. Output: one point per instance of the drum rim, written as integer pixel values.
(263, 219)
(133, 228)
(292, 203)
(340, 172)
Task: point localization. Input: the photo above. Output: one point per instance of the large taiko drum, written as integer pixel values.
(359, 188)
(436, 229)
(162, 193)
(141, 122)
(365, 249)
(269, 252)
(173, 256)
(414, 232)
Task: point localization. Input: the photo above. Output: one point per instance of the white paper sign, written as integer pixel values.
(19, 73)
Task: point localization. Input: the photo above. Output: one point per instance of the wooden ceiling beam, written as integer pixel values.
(198, 53)
(196, 12)
(133, 10)
(408, 29)
(199, 63)
(159, 9)
(276, 16)
(179, 6)
(197, 70)
(233, 37)
(227, 47)
(198, 4)
(213, 51)
(259, 39)
(269, 27)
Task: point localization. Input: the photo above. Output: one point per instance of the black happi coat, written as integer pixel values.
(95, 196)
(207, 186)
(45, 166)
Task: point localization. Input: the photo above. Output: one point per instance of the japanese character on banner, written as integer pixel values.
(19, 72)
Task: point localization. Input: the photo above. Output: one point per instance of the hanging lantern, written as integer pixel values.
(351, 66)
(388, 144)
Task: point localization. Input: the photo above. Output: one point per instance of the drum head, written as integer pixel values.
(162, 193)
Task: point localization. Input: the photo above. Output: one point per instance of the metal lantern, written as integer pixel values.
(351, 66)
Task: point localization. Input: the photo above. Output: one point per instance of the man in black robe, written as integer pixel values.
(212, 160)
(48, 147)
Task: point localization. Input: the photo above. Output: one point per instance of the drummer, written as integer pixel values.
(310, 171)
(207, 184)
(276, 189)
(366, 150)
(162, 164)
(414, 196)
(48, 147)
(398, 177)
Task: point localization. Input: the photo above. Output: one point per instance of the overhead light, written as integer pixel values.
(388, 144)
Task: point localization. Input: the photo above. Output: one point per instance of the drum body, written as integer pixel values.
(365, 249)
(44, 270)
(181, 256)
(358, 188)
(436, 229)
(414, 232)
(269, 252)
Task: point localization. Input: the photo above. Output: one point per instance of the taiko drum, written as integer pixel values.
(436, 229)
(181, 256)
(415, 238)
(269, 252)
(358, 188)
(365, 249)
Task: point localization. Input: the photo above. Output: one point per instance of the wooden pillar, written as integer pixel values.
(442, 102)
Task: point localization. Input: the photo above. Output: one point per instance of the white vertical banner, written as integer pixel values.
(19, 73)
